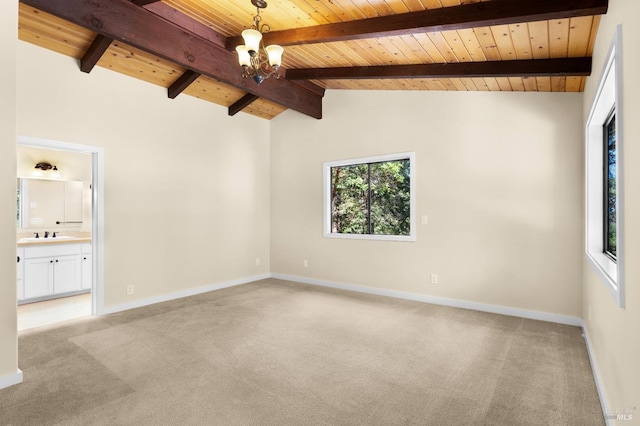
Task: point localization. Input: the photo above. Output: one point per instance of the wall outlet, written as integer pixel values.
(434, 278)
(130, 289)
(257, 261)
(305, 263)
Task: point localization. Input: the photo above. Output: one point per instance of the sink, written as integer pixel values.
(49, 239)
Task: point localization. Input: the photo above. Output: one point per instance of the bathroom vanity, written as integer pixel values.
(52, 268)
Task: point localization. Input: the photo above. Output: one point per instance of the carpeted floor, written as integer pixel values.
(281, 353)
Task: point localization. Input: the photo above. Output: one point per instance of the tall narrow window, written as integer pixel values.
(369, 198)
(604, 177)
(610, 177)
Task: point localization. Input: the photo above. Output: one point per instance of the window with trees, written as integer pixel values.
(370, 198)
(604, 160)
(609, 186)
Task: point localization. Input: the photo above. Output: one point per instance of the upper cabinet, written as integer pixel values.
(73, 202)
(50, 203)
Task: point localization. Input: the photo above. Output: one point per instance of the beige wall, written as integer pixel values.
(8, 324)
(614, 332)
(498, 175)
(186, 186)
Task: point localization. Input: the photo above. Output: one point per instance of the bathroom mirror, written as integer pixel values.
(49, 203)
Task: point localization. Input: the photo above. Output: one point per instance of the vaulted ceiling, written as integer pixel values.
(187, 46)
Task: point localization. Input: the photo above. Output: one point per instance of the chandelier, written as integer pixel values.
(257, 61)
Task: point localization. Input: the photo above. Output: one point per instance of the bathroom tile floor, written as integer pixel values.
(53, 311)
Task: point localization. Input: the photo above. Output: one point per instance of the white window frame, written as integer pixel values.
(326, 190)
(608, 97)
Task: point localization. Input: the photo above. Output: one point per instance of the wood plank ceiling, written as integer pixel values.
(460, 45)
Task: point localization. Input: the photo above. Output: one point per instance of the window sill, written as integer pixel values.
(607, 271)
(405, 238)
(605, 266)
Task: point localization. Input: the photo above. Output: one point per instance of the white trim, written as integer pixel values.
(180, 294)
(326, 197)
(608, 96)
(97, 233)
(11, 379)
(456, 303)
(97, 209)
(24, 208)
(596, 376)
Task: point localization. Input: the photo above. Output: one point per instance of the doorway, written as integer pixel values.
(90, 300)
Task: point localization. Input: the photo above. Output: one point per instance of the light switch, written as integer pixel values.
(423, 220)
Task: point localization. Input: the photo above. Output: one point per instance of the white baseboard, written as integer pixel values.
(596, 376)
(456, 303)
(11, 379)
(496, 309)
(179, 294)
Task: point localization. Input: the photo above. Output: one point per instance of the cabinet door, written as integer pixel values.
(20, 273)
(73, 201)
(38, 277)
(66, 274)
(87, 272)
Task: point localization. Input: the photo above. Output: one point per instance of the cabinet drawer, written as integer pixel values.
(51, 250)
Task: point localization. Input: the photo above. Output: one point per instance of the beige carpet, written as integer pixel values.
(280, 353)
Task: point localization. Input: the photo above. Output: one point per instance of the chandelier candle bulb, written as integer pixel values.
(274, 52)
(243, 56)
(252, 40)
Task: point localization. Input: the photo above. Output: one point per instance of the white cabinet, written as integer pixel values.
(20, 273)
(51, 270)
(87, 267)
(73, 202)
(66, 274)
(38, 277)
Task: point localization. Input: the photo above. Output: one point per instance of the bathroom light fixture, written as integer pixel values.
(257, 61)
(46, 166)
(51, 171)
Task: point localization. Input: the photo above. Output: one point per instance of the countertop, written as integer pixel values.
(42, 241)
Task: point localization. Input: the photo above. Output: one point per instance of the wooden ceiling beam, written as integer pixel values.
(182, 83)
(472, 15)
(124, 21)
(93, 54)
(144, 2)
(188, 23)
(242, 103)
(524, 68)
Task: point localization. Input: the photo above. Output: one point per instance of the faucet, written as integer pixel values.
(46, 234)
